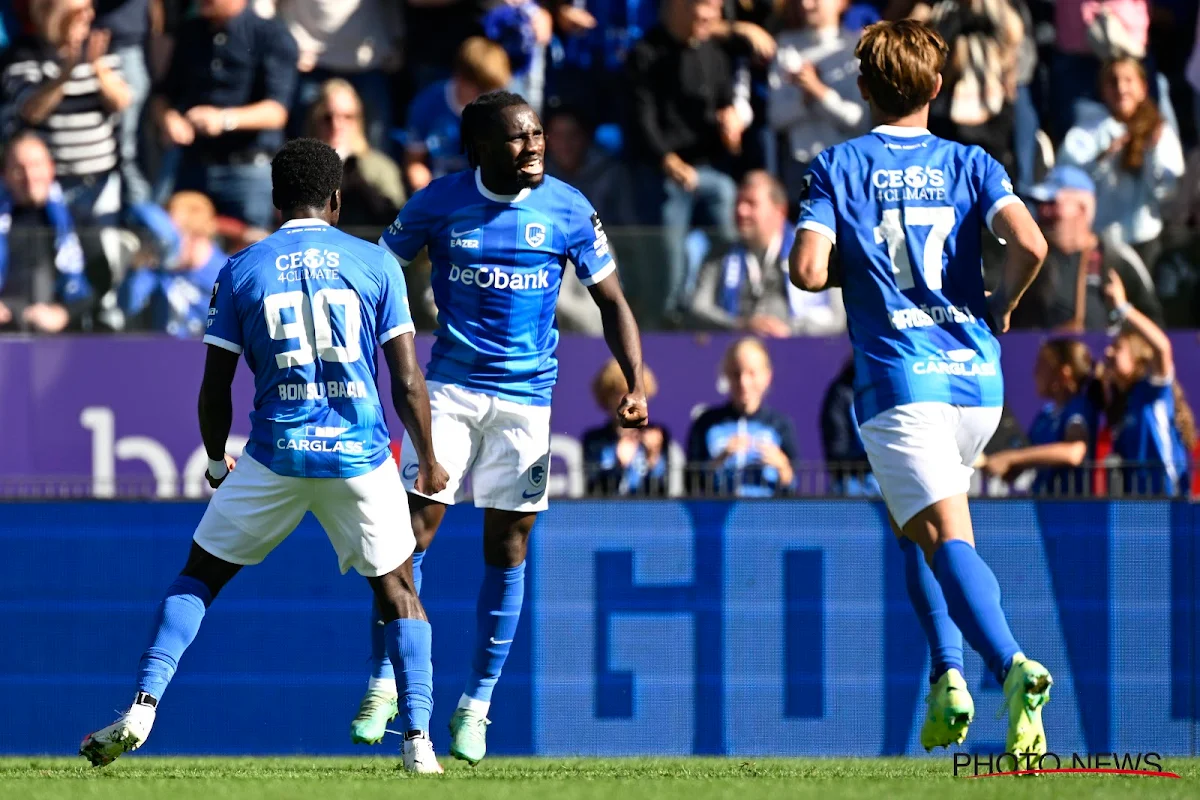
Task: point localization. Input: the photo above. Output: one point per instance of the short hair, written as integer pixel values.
(775, 189)
(483, 63)
(481, 117)
(20, 138)
(611, 380)
(900, 63)
(193, 213)
(304, 174)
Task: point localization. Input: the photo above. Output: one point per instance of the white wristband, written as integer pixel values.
(217, 469)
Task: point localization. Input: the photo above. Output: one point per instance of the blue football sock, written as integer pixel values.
(497, 613)
(973, 597)
(417, 558)
(176, 622)
(410, 645)
(381, 665)
(945, 639)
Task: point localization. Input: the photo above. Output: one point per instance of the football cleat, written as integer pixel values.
(950, 711)
(468, 735)
(1026, 690)
(377, 709)
(129, 732)
(419, 756)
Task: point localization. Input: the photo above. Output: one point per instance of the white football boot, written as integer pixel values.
(129, 732)
(419, 756)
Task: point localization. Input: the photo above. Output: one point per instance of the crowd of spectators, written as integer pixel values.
(139, 133)
(689, 124)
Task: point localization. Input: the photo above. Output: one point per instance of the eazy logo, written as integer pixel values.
(954, 362)
(494, 278)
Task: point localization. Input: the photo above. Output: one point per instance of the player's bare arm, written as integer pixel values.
(624, 341)
(809, 263)
(1023, 257)
(411, 401)
(216, 411)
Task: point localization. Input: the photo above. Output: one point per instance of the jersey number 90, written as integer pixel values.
(311, 325)
(893, 229)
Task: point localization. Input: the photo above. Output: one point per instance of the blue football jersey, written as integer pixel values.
(1050, 426)
(906, 211)
(497, 268)
(1154, 458)
(306, 307)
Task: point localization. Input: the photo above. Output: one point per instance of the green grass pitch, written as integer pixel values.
(135, 778)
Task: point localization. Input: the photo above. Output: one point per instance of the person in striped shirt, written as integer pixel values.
(62, 83)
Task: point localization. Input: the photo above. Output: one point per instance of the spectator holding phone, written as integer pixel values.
(813, 100)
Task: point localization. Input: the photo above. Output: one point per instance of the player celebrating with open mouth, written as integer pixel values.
(906, 211)
(499, 237)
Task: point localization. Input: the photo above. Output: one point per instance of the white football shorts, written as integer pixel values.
(503, 446)
(365, 517)
(925, 452)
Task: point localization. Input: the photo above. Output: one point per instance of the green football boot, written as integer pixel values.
(950, 711)
(1026, 690)
(377, 709)
(468, 735)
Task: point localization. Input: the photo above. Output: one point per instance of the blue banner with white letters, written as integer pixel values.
(656, 628)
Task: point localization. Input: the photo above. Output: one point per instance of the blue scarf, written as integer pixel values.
(72, 284)
(736, 268)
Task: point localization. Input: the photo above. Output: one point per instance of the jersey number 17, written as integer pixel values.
(894, 228)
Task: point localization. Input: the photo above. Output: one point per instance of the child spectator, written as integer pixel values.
(624, 461)
(1153, 429)
(1063, 435)
(744, 447)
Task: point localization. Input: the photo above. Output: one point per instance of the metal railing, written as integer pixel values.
(1107, 480)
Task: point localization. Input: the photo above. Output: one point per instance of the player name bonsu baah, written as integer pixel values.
(321, 390)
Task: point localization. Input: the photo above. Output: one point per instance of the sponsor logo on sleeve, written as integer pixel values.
(600, 245)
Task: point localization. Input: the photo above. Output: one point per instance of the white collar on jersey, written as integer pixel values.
(498, 198)
(900, 131)
(307, 222)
